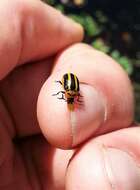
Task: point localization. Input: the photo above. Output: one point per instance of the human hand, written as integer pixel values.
(29, 31)
(27, 161)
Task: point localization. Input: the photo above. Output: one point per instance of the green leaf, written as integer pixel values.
(77, 18)
(91, 27)
(100, 45)
(126, 64)
(124, 61)
(115, 54)
(60, 7)
(50, 2)
(89, 24)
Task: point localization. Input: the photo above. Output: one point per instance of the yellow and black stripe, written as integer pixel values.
(70, 82)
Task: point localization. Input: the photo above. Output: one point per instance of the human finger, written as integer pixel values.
(18, 96)
(107, 98)
(50, 163)
(31, 30)
(107, 162)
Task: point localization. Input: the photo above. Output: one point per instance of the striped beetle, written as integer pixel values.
(70, 84)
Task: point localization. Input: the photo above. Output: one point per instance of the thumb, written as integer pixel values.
(112, 160)
(32, 30)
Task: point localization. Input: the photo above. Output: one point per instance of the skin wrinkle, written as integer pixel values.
(107, 160)
(18, 23)
(130, 153)
(25, 22)
(3, 159)
(37, 174)
(10, 114)
(32, 162)
(3, 122)
(16, 29)
(17, 156)
(6, 164)
(27, 27)
(108, 169)
(26, 170)
(22, 30)
(17, 26)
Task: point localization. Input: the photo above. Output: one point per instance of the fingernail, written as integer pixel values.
(121, 169)
(86, 118)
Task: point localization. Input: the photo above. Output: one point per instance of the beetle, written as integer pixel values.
(70, 84)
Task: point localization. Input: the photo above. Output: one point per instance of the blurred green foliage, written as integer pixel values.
(94, 26)
(50, 2)
(100, 45)
(77, 18)
(60, 7)
(90, 26)
(124, 61)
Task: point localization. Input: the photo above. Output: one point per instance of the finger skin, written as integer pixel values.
(108, 98)
(13, 172)
(48, 165)
(31, 30)
(6, 154)
(107, 162)
(86, 167)
(19, 92)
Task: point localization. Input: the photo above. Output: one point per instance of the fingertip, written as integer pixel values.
(103, 89)
(97, 166)
(63, 127)
(107, 76)
(86, 169)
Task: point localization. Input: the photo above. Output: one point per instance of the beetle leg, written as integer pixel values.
(58, 93)
(79, 95)
(58, 81)
(78, 98)
(62, 98)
